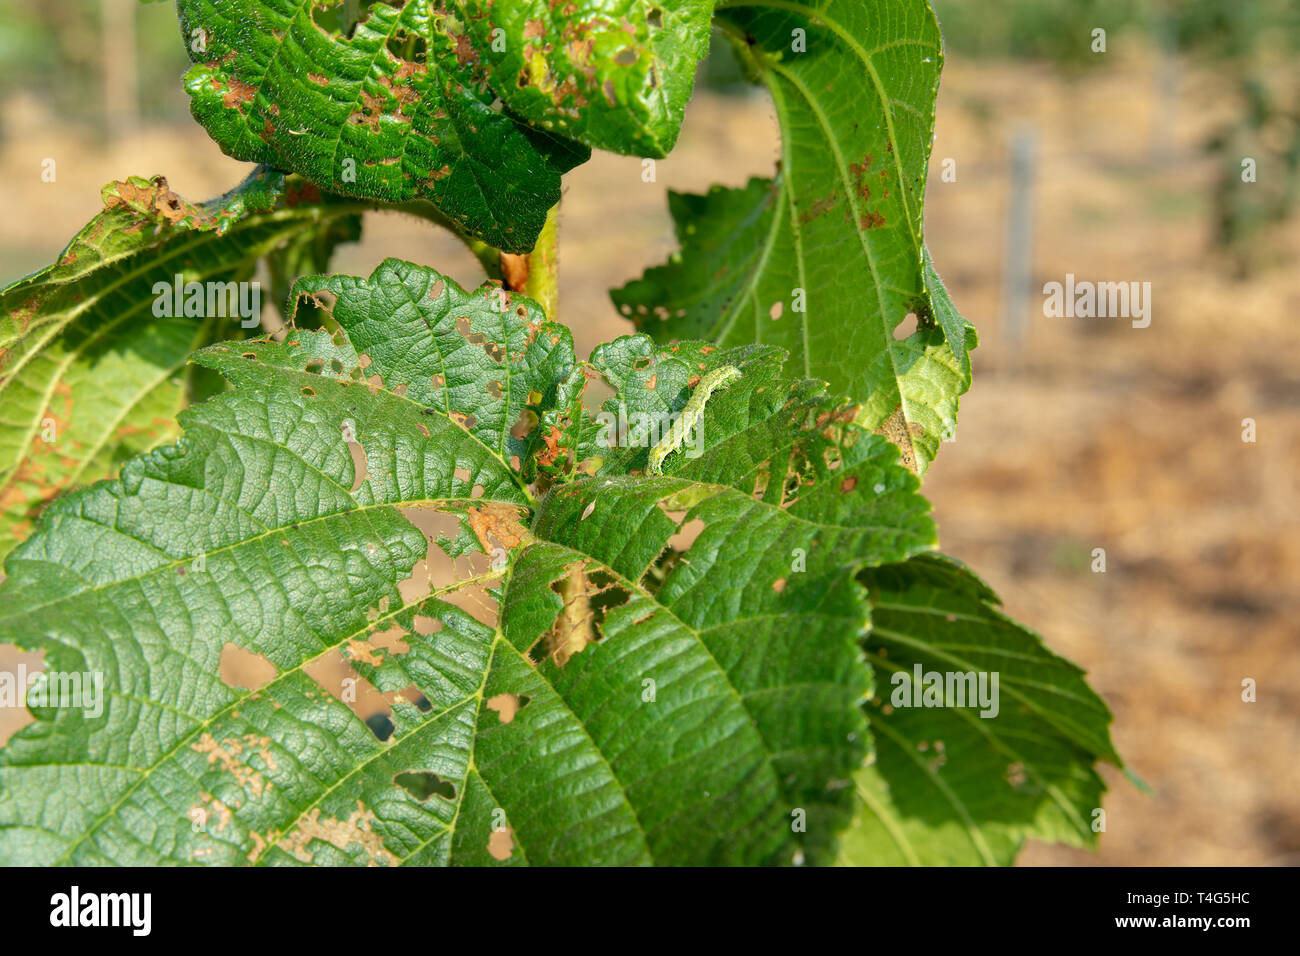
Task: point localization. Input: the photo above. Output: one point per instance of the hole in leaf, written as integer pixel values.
(905, 328)
(333, 673)
(391, 640)
(587, 599)
(242, 668)
(477, 602)
(507, 705)
(425, 625)
(404, 46)
(381, 725)
(14, 663)
(359, 472)
(423, 784)
(686, 535)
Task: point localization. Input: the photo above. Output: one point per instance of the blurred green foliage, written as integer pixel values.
(1055, 30)
(1060, 30)
(55, 50)
(1250, 47)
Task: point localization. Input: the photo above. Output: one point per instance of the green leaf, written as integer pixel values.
(827, 259)
(614, 75)
(399, 109)
(567, 680)
(308, 252)
(948, 786)
(85, 361)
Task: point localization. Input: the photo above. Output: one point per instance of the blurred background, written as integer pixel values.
(1122, 165)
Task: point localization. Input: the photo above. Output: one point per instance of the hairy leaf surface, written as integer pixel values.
(628, 670)
(89, 374)
(393, 108)
(827, 259)
(614, 75)
(947, 785)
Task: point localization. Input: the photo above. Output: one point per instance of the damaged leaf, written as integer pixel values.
(92, 368)
(967, 785)
(397, 109)
(615, 76)
(498, 649)
(827, 259)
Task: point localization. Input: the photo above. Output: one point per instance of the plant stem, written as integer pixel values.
(535, 273)
(489, 257)
(543, 285)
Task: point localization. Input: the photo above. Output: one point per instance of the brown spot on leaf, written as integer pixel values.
(356, 830)
(497, 525)
(404, 93)
(154, 196)
(897, 430)
(237, 94)
(466, 53)
(371, 112)
(819, 208)
(363, 651)
(228, 752)
(550, 454)
(860, 172)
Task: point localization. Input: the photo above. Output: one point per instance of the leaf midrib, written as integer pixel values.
(203, 725)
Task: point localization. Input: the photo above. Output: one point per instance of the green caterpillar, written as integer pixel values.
(720, 377)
